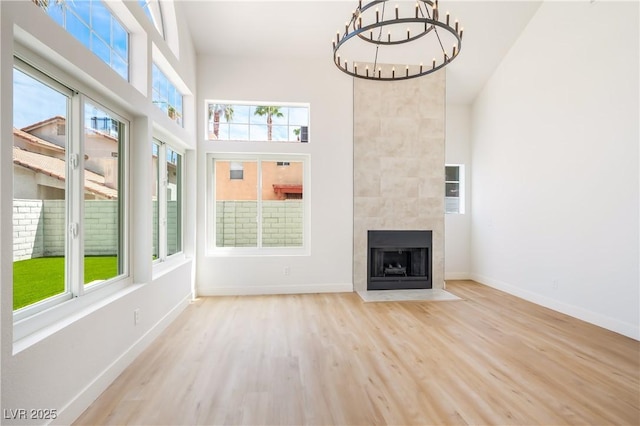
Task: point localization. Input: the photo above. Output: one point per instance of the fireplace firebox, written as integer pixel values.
(398, 260)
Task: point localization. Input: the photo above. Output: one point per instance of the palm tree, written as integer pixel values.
(215, 110)
(44, 4)
(270, 112)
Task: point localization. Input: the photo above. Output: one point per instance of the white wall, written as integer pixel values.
(555, 165)
(330, 94)
(457, 227)
(68, 362)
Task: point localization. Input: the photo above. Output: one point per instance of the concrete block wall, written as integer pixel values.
(54, 229)
(282, 223)
(173, 234)
(101, 227)
(236, 223)
(155, 250)
(39, 228)
(27, 229)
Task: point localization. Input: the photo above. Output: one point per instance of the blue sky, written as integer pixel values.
(34, 101)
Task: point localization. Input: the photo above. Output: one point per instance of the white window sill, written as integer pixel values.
(162, 267)
(255, 252)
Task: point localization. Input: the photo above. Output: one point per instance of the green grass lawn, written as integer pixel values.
(37, 279)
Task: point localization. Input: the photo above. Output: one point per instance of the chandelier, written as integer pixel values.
(407, 40)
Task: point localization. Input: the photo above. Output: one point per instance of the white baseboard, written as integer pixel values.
(281, 289)
(69, 413)
(615, 325)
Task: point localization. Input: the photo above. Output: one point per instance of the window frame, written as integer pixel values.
(163, 184)
(180, 196)
(461, 189)
(211, 215)
(233, 167)
(209, 124)
(153, 11)
(160, 97)
(66, 9)
(77, 295)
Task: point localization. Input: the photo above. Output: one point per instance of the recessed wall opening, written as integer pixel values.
(399, 260)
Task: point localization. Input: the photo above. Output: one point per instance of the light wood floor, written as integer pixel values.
(331, 359)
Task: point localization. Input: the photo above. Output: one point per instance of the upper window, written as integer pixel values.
(263, 210)
(454, 189)
(93, 24)
(154, 12)
(267, 122)
(166, 96)
(69, 216)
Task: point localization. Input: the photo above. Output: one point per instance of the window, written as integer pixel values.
(103, 209)
(155, 196)
(154, 12)
(454, 189)
(39, 255)
(67, 190)
(167, 200)
(268, 122)
(236, 170)
(265, 210)
(174, 202)
(93, 24)
(166, 96)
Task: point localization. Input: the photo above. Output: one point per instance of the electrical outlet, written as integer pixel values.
(136, 316)
(555, 284)
(287, 270)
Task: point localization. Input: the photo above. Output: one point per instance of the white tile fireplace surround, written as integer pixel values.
(399, 164)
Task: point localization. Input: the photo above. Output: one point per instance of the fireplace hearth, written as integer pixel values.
(399, 260)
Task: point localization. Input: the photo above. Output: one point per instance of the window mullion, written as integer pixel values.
(75, 204)
(259, 206)
(162, 201)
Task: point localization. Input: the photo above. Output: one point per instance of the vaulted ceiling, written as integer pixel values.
(304, 29)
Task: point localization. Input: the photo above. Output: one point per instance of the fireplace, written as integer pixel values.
(398, 260)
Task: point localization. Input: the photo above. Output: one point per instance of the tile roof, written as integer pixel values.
(54, 167)
(44, 123)
(34, 140)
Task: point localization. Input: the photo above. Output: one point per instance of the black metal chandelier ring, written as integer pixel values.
(361, 10)
(381, 41)
(358, 30)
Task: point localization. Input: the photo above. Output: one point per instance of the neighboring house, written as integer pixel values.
(238, 180)
(39, 162)
(172, 179)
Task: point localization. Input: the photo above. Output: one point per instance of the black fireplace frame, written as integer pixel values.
(399, 240)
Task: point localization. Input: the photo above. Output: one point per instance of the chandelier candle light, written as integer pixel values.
(413, 35)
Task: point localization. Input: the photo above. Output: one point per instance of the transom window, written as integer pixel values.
(154, 12)
(93, 24)
(265, 122)
(166, 96)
